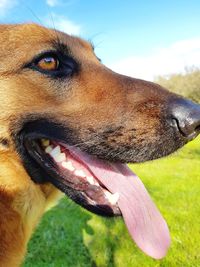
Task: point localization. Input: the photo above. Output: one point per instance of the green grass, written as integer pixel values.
(69, 236)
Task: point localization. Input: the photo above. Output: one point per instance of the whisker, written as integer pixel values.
(32, 12)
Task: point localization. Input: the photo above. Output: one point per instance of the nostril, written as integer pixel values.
(188, 131)
(177, 124)
(186, 117)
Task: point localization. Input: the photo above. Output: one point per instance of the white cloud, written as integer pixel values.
(5, 5)
(52, 3)
(162, 61)
(62, 23)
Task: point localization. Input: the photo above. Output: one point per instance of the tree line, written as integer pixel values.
(186, 84)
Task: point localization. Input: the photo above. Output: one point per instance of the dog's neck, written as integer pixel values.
(21, 207)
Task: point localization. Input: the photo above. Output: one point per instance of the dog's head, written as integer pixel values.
(73, 123)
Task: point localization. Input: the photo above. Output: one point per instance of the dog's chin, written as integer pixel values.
(49, 155)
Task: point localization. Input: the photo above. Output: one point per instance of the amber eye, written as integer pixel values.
(48, 63)
(54, 64)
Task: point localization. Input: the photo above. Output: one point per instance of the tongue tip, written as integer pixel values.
(159, 251)
(154, 245)
(157, 255)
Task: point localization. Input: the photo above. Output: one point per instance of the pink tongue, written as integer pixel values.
(143, 220)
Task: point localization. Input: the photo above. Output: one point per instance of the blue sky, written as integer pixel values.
(138, 38)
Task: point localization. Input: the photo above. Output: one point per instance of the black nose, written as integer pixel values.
(187, 117)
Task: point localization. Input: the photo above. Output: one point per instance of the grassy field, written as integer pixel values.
(69, 236)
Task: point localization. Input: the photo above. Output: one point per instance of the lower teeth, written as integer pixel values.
(55, 153)
(113, 198)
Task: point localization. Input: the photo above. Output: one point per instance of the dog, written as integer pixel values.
(69, 125)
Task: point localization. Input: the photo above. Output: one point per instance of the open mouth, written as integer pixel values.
(103, 187)
(72, 171)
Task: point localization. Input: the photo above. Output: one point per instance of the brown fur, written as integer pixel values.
(95, 102)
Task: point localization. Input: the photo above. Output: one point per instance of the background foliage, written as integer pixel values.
(186, 84)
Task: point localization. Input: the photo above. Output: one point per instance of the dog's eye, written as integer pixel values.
(54, 64)
(48, 63)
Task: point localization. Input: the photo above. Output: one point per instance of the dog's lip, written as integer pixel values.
(95, 195)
